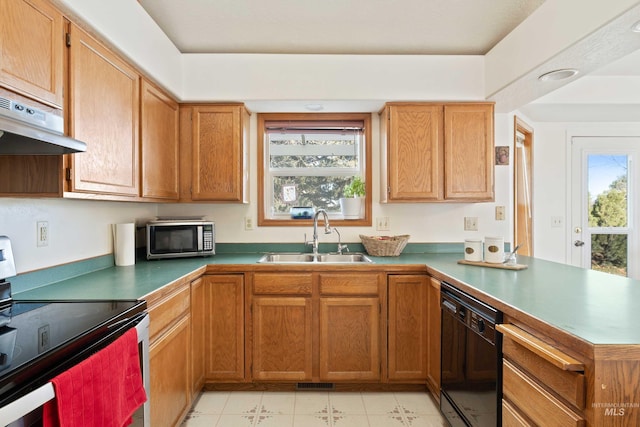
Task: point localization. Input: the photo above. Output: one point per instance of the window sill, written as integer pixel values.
(362, 222)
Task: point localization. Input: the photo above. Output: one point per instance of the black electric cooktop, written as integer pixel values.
(40, 339)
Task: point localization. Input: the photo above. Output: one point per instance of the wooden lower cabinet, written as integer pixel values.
(408, 327)
(170, 354)
(169, 376)
(316, 327)
(224, 330)
(541, 384)
(282, 338)
(349, 339)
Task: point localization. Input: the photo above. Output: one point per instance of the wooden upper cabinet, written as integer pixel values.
(469, 152)
(414, 152)
(159, 143)
(437, 152)
(104, 105)
(32, 50)
(216, 169)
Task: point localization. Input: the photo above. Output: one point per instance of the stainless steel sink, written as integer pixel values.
(352, 258)
(305, 258)
(284, 258)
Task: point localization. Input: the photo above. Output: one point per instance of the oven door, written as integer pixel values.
(469, 367)
(26, 411)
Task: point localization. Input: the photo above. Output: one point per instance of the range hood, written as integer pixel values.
(27, 130)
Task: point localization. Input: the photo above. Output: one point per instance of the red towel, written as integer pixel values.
(102, 391)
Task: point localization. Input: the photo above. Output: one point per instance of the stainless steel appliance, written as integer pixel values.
(25, 129)
(180, 237)
(471, 391)
(41, 339)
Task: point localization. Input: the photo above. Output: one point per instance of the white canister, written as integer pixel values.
(494, 249)
(473, 250)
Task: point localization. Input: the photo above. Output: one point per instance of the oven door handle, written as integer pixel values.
(18, 408)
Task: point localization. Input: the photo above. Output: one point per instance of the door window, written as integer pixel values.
(604, 211)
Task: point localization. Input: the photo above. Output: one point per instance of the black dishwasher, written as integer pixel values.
(471, 367)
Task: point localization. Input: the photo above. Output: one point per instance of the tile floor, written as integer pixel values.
(314, 409)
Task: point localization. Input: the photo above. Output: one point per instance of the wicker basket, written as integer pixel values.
(384, 245)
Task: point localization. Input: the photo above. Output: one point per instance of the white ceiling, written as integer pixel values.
(455, 27)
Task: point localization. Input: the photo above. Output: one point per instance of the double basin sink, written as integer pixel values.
(306, 258)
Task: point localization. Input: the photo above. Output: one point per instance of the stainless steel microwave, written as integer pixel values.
(180, 238)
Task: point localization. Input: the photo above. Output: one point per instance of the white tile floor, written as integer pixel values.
(314, 408)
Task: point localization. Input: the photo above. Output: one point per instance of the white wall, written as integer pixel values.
(552, 174)
(78, 229)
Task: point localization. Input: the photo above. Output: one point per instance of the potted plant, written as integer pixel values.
(351, 203)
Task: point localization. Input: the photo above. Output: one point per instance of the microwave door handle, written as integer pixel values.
(200, 238)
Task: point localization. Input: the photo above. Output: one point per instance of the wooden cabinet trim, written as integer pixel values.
(537, 346)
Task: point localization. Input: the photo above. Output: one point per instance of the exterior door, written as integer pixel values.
(604, 234)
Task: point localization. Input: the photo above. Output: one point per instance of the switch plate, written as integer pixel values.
(499, 213)
(42, 233)
(382, 223)
(248, 223)
(471, 223)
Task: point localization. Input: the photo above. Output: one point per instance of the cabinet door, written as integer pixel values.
(468, 152)
(103, 110)
(225, 327)
(408, 341)
(159, 144)
(198, 311)
(218, 158)
(414, 152)
(349, 339)
(434, 322)
(282, 338)
(31, 49)
(169, 375)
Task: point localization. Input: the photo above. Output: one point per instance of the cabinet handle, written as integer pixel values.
(541, 348)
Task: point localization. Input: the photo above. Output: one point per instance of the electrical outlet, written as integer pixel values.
(248, 223)
(42, 233)
(471, 223)
(499, 213)
(382, 223)
(557, 221)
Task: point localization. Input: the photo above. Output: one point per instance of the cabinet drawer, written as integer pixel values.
(535, 402)
(568, 384)
(511, 417)
(349, 284)
(282, 284)
(168, 311)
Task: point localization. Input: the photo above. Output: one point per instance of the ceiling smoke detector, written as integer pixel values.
(561, 74)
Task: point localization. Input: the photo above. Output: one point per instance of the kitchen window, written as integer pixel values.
(306, 160)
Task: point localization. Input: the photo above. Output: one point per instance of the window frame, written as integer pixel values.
(263, 221)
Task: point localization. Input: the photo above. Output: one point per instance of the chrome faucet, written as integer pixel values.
(341, 247)
(327, 229)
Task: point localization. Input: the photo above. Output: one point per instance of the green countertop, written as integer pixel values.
(596, 307)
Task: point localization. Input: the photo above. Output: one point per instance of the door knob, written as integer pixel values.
(578, 243)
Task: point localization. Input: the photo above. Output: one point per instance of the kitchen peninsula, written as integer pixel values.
(564, 325)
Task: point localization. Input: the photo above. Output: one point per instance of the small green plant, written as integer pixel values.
(356, 188)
